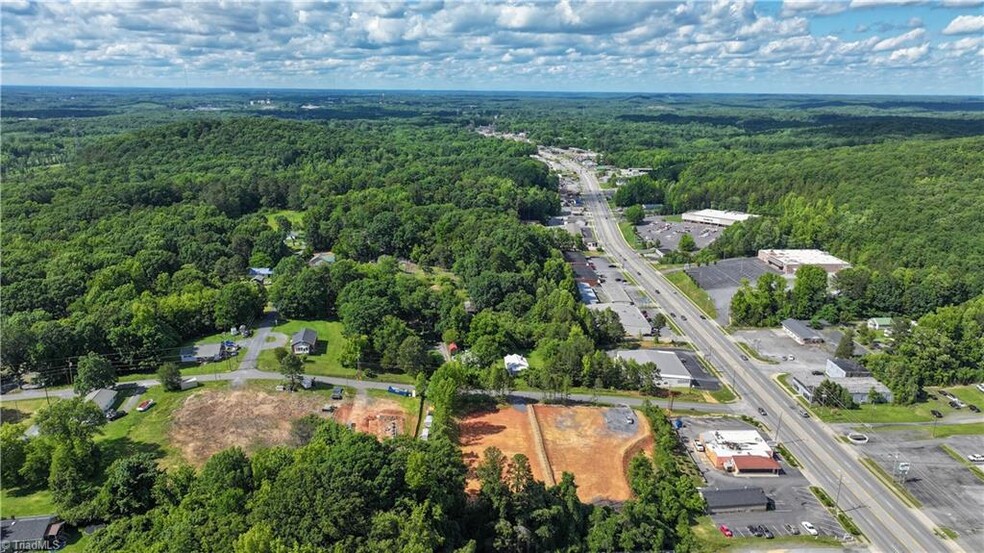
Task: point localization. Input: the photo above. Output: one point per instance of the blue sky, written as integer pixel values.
(801, 46)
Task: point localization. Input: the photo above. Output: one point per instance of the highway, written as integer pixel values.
(887, 523)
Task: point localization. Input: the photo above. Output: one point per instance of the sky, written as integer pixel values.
(801, 46)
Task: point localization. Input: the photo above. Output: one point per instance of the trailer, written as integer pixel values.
(399, 391)
(188, 383)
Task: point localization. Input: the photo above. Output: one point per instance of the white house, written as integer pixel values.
(516, 363)
(879, 323)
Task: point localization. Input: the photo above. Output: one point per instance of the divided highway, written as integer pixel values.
(884, 519)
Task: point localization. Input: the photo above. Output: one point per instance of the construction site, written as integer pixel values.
(595, 444)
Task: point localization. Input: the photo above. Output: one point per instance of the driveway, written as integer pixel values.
(258, 342)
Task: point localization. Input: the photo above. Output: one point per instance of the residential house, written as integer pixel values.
(801, 332)
(321, 258)
(303, 341)
(104, 398)
(38, 533)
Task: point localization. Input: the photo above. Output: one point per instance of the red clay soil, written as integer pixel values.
(507, 428)
(577, 441)
(381, 417)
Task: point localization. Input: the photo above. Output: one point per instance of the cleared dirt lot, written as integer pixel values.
(592, 443)
(213, 420)
(507, 428)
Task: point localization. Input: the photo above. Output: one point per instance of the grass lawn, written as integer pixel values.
(296, 218)
(15, 410)
(628, 231)
(709, 535)
(941, 430)
(327, 360)
(967, 394)
(21, 502)
(696, 294)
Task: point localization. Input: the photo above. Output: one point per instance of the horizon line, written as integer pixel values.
(489, 91)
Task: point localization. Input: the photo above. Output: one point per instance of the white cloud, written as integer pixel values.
(965, 24)
(895, 42)
(815, 7)
(909, 55)
(884, 3)
(962, 3)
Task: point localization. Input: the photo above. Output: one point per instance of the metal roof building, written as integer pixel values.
(735, 499)
(716, 217)
(788, 261)
(801, 332)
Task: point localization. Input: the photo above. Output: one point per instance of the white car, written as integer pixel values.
(976, 458)
(810, 528)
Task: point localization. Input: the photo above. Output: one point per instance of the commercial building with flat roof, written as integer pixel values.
(859, 387)
(721, 446)
(788, 261)
(716, 217)
(845, 368)
(735, 500)
(801, 332)
(672, 372)
(633, 321)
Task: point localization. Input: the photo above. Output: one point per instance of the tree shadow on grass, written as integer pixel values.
(118, 448)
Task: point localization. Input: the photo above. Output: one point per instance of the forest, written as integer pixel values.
(131, 220)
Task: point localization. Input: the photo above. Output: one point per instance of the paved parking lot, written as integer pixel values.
(790, 492)
(950, 493)
(669, 233)
(721, 280)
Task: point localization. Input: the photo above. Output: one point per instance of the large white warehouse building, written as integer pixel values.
(716, 217)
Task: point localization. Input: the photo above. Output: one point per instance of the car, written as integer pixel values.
(113, 414)
(975, 458)
(810, 528)
(980, 387)
(974, 408)
(817, 373)
(792, 358)
(638, 273)
(672, 314)
(726, 531)
(936, 414)
(684, 317)
(754, 530)
(698, 446)
(947, 394)
(703, 317)
(804, 413)
(337, 393)
(145, 404)
(953, 403)
(611, 266)
(658, 292)
(766, 532)
(762, 412)
(744, 357)
(791, 529)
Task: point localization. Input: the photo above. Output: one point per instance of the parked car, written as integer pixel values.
(145, 404)
(975, 458)
(954, 404)
(726, 531)
(817, 373)
(766, 532)
(337, 393)
(804, 413)
(113, 414)
(936, 414)
(974, 408)
(980, 387)
(754, 530)
(791, 529)
(810, 528)
(762, 412)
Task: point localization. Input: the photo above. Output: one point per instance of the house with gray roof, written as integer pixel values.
(303, 341)
(801, 332)
(40, 533)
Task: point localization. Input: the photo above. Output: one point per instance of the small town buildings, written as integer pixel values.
(858, 387)
(632, 319)
(202, 353)
(735, 500)
(588, 295)
(845, 368)
(260, 274)
(723, 446)
(516, 363)
(39, 533)
(716, 217)
(801, 332)
(672, 372)
(753, 465)
(321, 258)
(104, 398)
(303, 341)
(880, 323)
(788, 261)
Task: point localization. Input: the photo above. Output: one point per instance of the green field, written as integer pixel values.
(331, 341)
(296, 218)
(628, 231)
(696, 294)
(939, 430)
